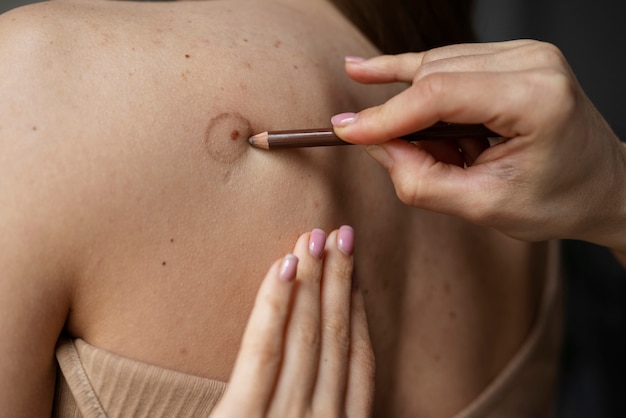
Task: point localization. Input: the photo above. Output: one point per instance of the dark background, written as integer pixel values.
(592, 35)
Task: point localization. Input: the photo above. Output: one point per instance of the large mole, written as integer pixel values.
(226, 137)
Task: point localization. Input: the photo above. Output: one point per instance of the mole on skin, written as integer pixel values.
(226, 137)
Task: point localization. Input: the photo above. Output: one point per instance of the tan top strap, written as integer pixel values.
(103, 384)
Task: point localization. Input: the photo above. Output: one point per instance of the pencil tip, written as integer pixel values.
(259, 140)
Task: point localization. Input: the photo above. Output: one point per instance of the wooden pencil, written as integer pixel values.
(326, 137)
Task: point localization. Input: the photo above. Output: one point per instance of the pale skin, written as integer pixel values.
(311, 357)
(135, 216)
(561, 173)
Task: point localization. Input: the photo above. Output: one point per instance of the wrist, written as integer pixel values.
(610, 219)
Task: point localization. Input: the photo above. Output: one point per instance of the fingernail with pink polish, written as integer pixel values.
(317, 241)
(343, 119)
(352, 59)
(288, 268)
(345, 239)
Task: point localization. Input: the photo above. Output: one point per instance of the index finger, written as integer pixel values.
(259, 359)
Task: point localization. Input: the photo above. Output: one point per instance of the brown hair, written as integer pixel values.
(397, 26)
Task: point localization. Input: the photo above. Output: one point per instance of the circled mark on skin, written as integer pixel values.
(226, 137)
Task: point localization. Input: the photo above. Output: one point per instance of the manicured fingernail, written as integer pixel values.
(345, 239)
(316, 243)
(352, 59)
(343, 119)
(288, 268)
(380, 154)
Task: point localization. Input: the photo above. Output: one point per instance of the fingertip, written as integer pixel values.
(345, 239)
(342, 120)
(317, 241)
(288, 268)
(347, 127)
(354, 128)
(353, 60)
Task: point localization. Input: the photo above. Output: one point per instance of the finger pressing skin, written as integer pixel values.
(258, 362)
(302, 342)
(335, 339)
(362, 366)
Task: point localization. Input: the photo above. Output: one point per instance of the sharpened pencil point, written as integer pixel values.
(259, 140)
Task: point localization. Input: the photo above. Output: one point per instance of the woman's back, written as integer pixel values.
(150, 221)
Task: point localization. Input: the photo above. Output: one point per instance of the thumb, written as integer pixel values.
(422, 181)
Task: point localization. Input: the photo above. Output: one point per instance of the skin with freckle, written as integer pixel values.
(222, 133)
(135, 216)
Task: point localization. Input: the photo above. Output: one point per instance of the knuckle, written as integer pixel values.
(433, 54)
(561, 89)
(432, 87)
(273, 304)
(561, 85)
(424, 70)
(408, 192)
(308, 334)
(267, 354)
(339, 333)
(407, 197)
(547, 54)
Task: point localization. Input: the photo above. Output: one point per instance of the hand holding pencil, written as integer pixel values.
(561, 173)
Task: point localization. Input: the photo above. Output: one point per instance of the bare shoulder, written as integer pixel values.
(116, 136)
(34, 299)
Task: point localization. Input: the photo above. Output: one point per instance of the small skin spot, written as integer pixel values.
(277, 43)
(34, 128)
(187, 55)
(172, 240)
(163, 263)
(222, 134)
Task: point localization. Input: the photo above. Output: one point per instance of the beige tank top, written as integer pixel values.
(95, 383)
